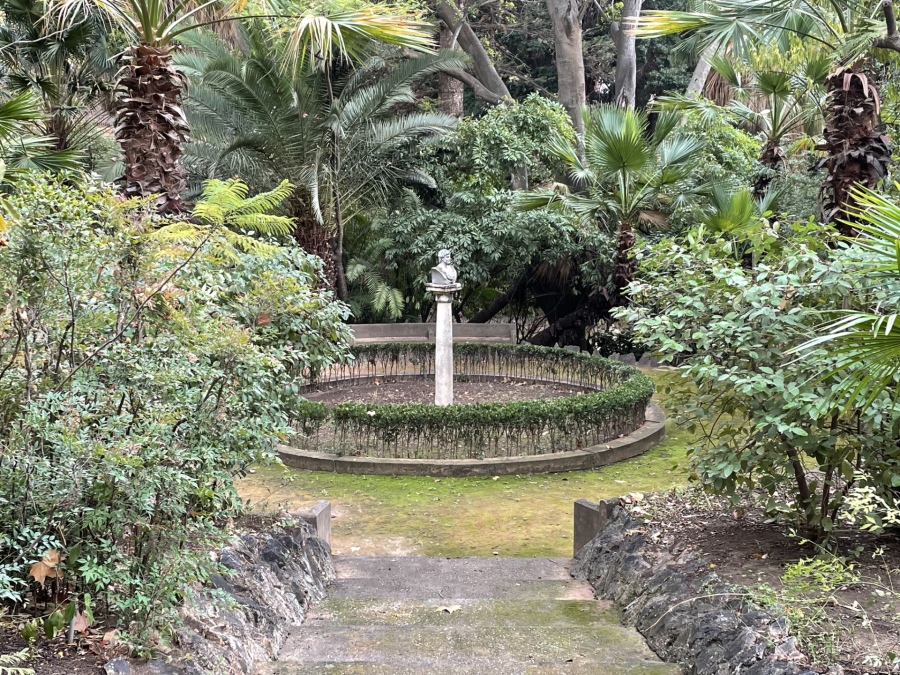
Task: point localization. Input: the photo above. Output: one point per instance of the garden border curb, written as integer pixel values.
(649, 435)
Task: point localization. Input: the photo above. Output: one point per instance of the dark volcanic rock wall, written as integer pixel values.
(243, 622)
(687, 615)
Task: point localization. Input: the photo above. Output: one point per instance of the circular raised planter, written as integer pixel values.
(649, 435)
(609, 418)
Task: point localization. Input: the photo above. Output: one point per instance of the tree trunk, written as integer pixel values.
(312, 237)
(857, 152)
(338, 245)
(701, 72)
(450, 90)
(771, 158)
(569, 58)
(501, 302)
(623, 262)
(151, 127)
(626, 55)
(471, 45)
(571, 329)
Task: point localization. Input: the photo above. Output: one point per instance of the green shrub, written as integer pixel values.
(765, 417)
(135, 384)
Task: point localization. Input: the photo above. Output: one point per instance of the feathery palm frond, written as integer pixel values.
(229, 219)
(867, 343)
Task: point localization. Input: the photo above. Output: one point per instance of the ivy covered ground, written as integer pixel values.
(510, 515)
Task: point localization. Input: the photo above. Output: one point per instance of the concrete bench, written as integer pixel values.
(371, 333)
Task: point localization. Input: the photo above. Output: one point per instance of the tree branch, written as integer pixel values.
(892, 39)
(478, 89)
(90, 357)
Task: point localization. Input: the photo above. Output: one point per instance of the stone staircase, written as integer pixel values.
(461, 616)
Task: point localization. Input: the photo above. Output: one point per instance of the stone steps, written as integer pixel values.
(509, 616)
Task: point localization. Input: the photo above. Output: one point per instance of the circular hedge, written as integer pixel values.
(613, 404)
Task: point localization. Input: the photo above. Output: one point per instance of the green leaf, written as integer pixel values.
(53, 624)
(29, 631)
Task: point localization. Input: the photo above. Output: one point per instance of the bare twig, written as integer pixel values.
(125, 324)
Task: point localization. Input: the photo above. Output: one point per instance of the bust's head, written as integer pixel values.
(444, 256)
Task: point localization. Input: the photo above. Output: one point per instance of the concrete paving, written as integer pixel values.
(479, 616)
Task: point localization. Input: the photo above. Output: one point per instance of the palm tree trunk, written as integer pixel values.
(771, 158)
(151, 127)
(340, 273)
(623, 262)
(338, 248)
(858, 153)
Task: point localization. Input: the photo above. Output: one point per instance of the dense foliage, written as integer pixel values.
(139, 378)
(729, 329)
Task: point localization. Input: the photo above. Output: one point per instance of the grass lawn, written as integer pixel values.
(510, 515)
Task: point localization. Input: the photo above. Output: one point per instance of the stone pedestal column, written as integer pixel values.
(443, 342)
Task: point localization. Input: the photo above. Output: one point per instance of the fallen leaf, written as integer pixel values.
(81, 622)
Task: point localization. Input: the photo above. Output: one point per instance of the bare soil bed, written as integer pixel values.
(55, 657)
(422, 391)
(857, 626)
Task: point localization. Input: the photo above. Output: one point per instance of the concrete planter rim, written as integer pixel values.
(648, 436)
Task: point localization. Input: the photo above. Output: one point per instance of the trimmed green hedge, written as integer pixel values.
(616, 406)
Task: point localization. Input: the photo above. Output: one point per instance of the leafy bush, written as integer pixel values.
(137, 381)
(479, 430)
(763, 424)
(511, 139)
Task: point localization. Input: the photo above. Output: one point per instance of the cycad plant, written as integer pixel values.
(625, 178)
(150, 123)
(342, 141)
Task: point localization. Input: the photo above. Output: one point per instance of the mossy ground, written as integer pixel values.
(527, 515)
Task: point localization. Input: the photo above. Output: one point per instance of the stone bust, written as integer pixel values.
(443, 274)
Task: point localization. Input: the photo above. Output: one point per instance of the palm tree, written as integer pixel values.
(628, 174)
(70, 71)
(150, 124)
(339, 140)
(783, 101)
(866, 340)
(857, 152)
(20, 149)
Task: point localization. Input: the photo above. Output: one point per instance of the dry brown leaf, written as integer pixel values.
(109, 638)
(81, 622)
(47, 567)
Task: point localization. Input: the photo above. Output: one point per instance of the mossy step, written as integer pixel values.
(509, 616)
(434, 589)
(426, 646)
(474, 668)
(468, 612)
(453, 570)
